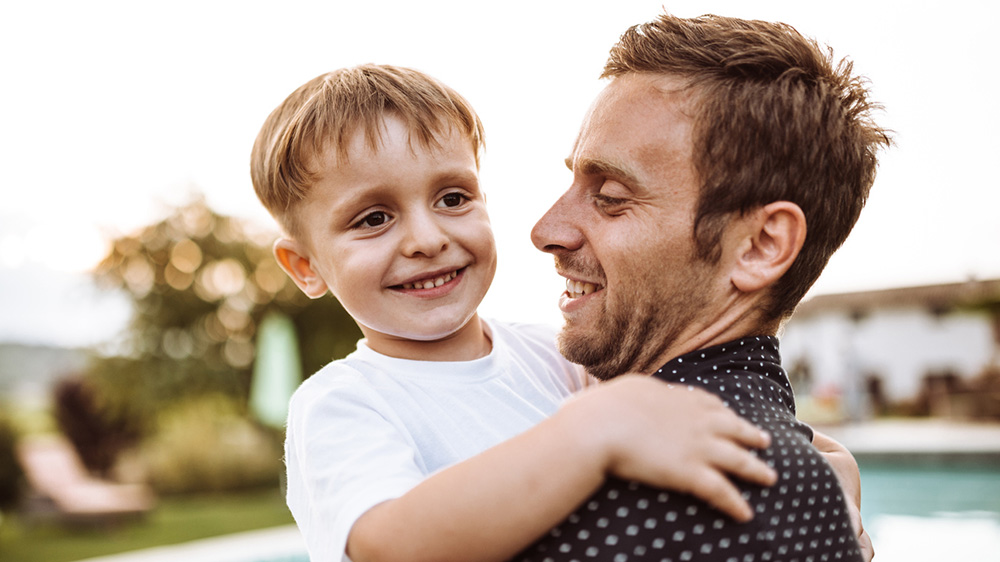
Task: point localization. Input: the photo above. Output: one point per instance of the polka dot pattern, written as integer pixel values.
(802, 518)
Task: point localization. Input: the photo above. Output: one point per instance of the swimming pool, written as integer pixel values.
(931, 509)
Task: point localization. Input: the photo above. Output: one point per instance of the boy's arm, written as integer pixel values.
(849, 475)
(493, 505)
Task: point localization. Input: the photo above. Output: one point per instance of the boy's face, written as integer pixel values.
(399, 235)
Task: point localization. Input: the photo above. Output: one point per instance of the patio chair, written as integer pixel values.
(62, 485)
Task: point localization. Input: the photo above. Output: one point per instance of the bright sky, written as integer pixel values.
(110, 110)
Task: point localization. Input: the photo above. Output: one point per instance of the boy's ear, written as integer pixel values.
(294, 260)
(770, 239)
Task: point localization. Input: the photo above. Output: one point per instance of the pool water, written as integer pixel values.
(932, 511)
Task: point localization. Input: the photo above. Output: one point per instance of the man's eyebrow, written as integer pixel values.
(589, 166)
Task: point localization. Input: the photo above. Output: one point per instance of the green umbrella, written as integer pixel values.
(277, 370)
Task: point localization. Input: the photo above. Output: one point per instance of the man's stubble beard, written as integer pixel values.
(633, 334)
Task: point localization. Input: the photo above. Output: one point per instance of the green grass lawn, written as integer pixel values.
(175, 520)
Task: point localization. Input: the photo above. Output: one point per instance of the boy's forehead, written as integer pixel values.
(365, 139)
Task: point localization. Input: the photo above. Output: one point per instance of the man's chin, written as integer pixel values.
(593, 349)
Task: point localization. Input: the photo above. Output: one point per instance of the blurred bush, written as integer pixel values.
(207, 445)
(11, 475)
(97, 438)
(200, 283)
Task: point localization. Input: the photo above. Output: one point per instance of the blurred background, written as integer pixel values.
(148, 342)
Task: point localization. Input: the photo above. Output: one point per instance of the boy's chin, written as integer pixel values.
(429, 332)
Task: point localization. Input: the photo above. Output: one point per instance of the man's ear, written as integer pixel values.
(294, 260)
(770, 240)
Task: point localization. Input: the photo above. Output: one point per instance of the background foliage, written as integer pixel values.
(200, 283)
(99, 439)
(10, 471)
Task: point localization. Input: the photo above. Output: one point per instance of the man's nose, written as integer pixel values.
(557, 229)
(424, 236)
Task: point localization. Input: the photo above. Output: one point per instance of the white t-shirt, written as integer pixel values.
(368, 428)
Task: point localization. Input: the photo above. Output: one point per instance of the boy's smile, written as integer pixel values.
(400, 235)
(421, 286)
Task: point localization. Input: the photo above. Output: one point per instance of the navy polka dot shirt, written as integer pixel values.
(802, 518)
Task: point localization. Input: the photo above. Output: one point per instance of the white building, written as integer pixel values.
(856, 354)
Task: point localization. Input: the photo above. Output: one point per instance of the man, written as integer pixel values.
(712, 180)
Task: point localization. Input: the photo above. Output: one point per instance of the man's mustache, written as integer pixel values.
(573, 263)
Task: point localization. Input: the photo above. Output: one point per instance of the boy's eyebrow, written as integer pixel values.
(367, 194)
(460, 174)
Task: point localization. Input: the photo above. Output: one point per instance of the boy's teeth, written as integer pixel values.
(578, 289)
(431, 283)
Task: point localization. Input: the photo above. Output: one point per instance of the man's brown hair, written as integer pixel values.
(326, 111)
(774, 120)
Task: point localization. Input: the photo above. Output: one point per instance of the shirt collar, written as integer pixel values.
(753, 355)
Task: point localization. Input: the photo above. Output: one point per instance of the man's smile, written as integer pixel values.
(576, 289)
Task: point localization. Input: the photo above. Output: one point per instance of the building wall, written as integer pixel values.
(899, 345)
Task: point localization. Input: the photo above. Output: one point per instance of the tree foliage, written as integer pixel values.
(200, 283)
(98, 439)
(11, 475)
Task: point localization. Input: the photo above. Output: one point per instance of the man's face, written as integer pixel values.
(622, 235)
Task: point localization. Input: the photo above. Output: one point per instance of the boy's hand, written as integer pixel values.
(849, 475)
(673, 437)
(491, 506)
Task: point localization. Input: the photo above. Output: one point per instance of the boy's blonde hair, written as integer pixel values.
(330, 108)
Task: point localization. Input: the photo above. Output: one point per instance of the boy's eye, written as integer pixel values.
(377, 218)
(452, 200)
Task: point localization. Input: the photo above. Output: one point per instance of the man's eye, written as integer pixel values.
(606, 201)
(377, 218)
(452, 200)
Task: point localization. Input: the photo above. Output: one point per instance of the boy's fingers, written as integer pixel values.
(743, 464)
(867, 549)
(743, 432)
(716, 490)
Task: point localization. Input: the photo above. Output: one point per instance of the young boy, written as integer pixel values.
(372, 173)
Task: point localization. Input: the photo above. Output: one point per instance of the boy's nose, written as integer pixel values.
(424, 236)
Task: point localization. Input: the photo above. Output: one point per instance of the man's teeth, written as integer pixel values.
(431, 283)
(578, 289)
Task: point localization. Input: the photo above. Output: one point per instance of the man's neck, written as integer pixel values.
(727, 323)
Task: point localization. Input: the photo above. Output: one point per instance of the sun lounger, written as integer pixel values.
(58, 479)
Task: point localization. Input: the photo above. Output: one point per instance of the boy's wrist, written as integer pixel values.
(593, 426)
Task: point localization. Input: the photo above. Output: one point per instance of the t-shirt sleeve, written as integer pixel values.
(542, 338)
(343, 455)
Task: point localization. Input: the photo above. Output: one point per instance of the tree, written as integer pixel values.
(201, 283)
(11, 475)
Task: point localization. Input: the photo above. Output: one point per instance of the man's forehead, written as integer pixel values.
(639, 132)
(634, 112)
